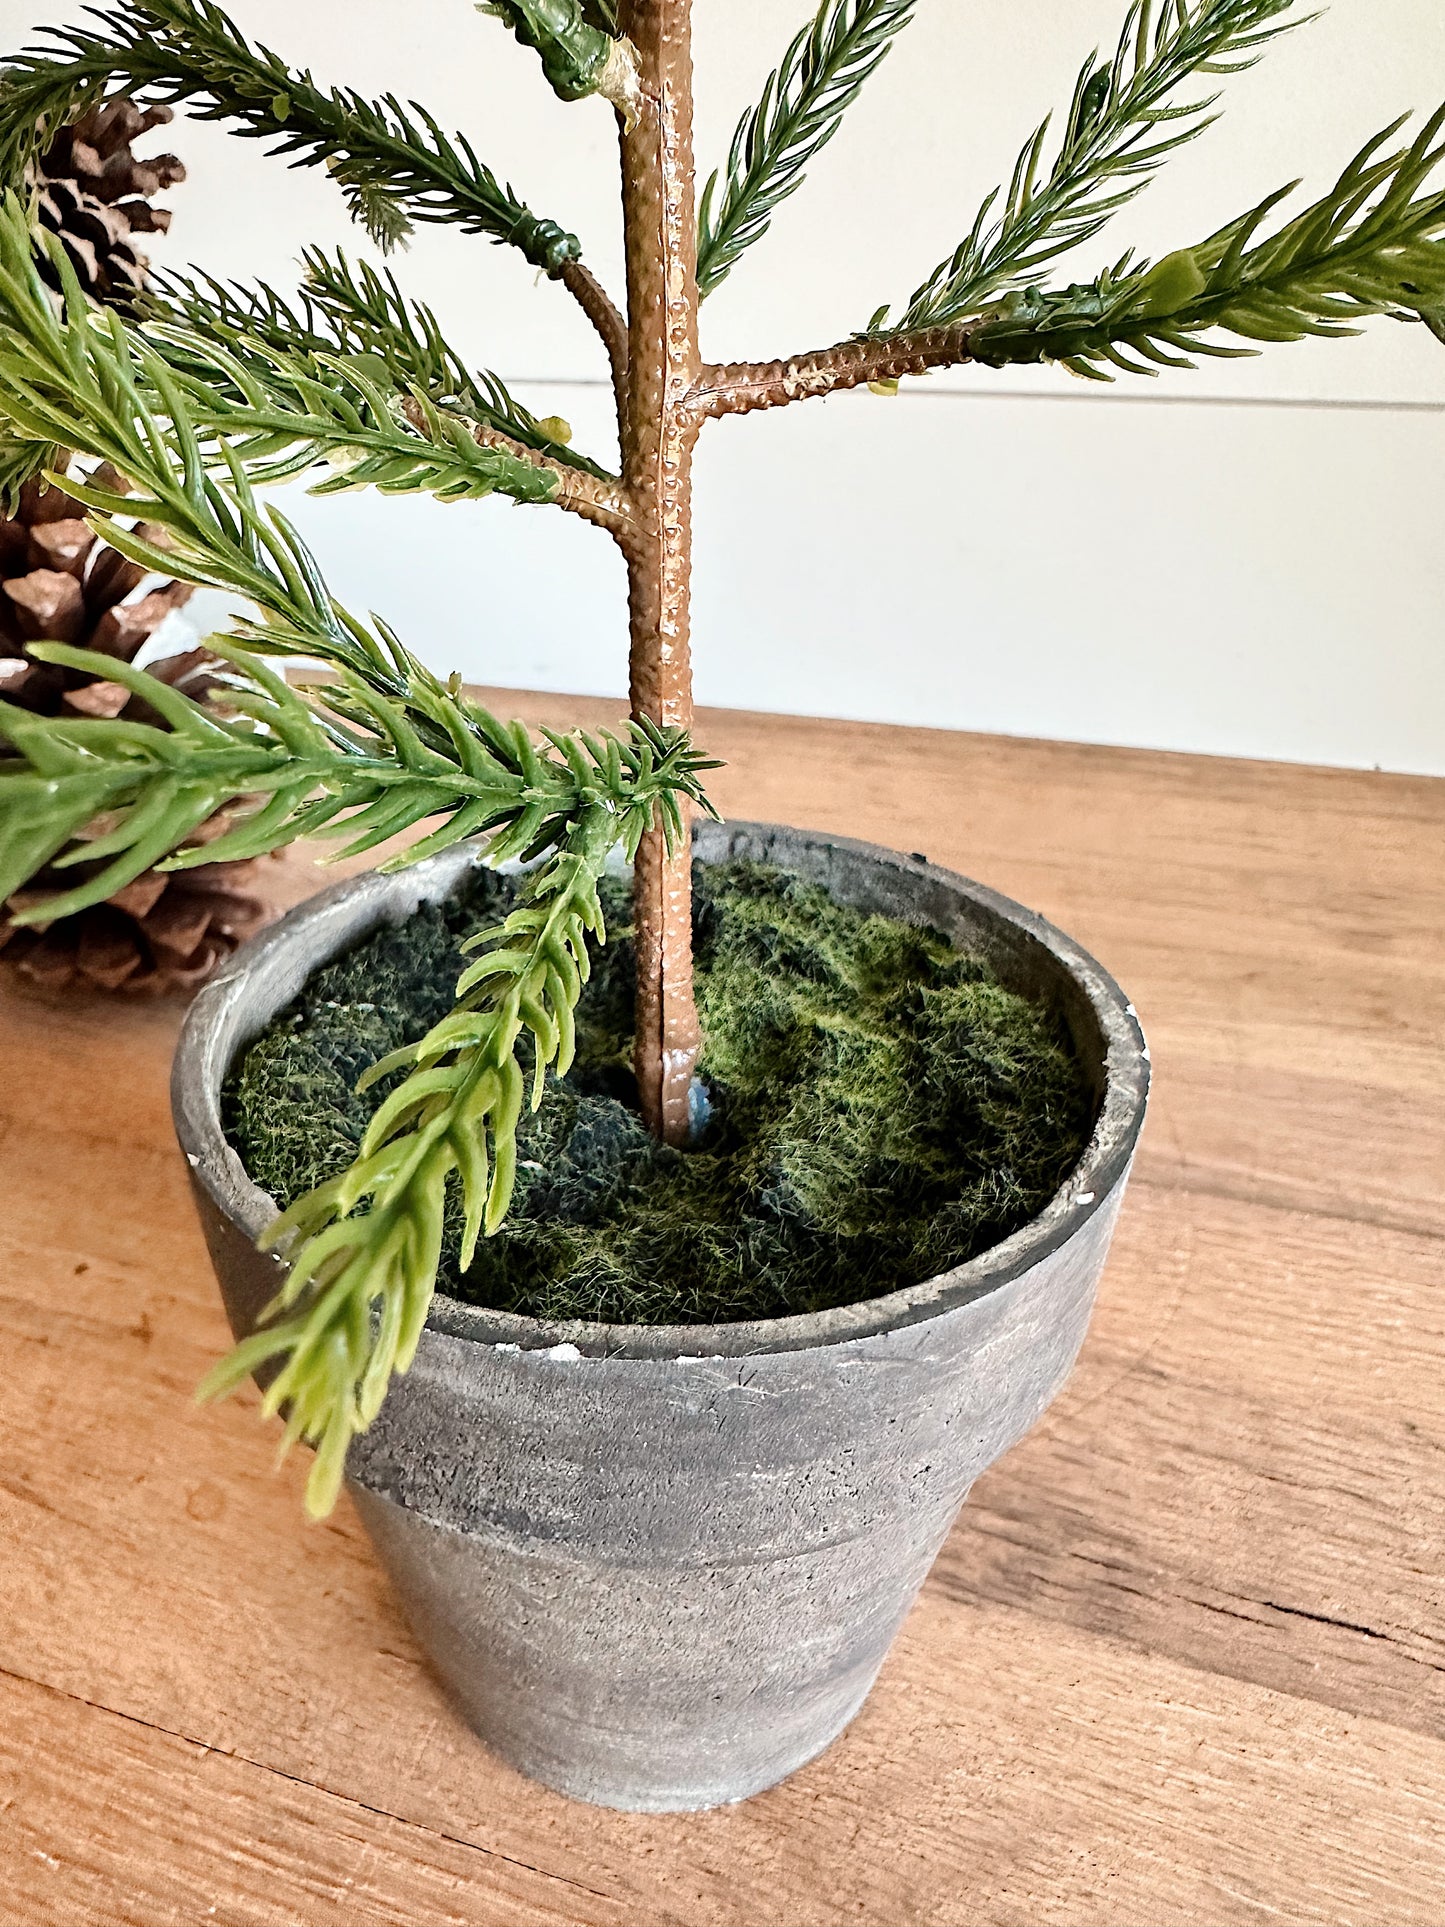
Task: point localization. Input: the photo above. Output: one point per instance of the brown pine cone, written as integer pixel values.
(160, 933)
(59, 582)
(95, 194)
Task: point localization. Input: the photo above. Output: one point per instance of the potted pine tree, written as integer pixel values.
(658, 1490)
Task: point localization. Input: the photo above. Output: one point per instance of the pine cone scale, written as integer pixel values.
(105, 699)
(64, 546)
(140, 897)
(48, 604)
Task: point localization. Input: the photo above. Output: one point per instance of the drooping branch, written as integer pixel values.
(349, 761)
(739, 387)
(364, 1247)
(600, 309)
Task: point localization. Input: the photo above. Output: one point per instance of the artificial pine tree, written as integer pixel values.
(213, 392)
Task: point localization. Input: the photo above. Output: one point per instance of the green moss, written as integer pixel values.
(883, 1109)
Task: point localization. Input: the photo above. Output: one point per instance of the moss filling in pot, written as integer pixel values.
(882, 1109)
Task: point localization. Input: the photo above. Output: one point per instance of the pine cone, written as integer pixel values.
(60, 583)
(95, 194)
(161, 933)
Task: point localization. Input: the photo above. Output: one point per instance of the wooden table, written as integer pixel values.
(1182, 1660)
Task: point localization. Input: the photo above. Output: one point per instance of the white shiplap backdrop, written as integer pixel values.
(1246, 560)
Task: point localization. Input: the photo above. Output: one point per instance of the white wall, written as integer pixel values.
(1247, 559)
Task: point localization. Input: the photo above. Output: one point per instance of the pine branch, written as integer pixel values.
(383, 748)
(83, 386)
(803, 103)
(354, 1304)
(347, 310)
(91, 789)
(608, 321)
(364, 1247)
(151, 787)
(281, 414)
(1119, 129)
(168, 397)
(1374, 245)
(340, 760)
(393, 161)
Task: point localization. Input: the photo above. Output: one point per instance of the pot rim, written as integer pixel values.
(217, 1026)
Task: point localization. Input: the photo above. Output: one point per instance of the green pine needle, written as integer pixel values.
(349, 310)
(393, 161)
(1374, 245)
(1120, 127)
(345, 760)
(803, 103)
(167, 396)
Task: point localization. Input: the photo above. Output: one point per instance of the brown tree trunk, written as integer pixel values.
(657, 443)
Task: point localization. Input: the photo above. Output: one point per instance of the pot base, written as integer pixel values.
(531, 1648)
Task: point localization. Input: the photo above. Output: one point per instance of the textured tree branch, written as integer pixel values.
(1373, 245)
(604, 503)
(600, 309)
(658, 436)
(740, 387)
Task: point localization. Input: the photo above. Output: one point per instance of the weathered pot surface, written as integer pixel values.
(660, 1567)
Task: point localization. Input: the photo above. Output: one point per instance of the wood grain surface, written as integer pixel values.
(1183, 1660)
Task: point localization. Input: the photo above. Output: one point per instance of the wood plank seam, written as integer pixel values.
(1275, 1198)
(952, 1587)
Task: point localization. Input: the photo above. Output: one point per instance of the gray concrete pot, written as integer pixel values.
(659, 1568)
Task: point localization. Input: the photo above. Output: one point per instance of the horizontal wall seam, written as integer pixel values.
(1319, 403)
